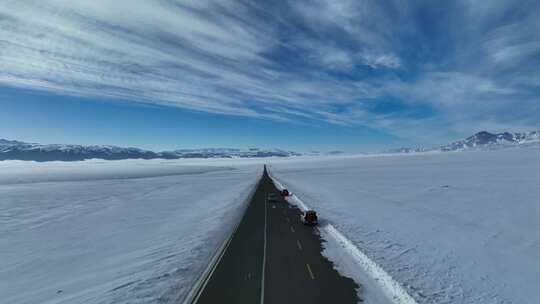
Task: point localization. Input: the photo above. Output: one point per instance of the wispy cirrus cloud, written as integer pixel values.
(286, 60)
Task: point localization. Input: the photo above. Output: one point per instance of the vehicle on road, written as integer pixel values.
(284, 192)
(309, 218)
(272, 198)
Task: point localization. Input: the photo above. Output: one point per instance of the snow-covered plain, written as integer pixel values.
(449, 227)
(114, 231)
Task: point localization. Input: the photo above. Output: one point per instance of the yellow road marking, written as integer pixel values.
(299, 245)
(310, 272)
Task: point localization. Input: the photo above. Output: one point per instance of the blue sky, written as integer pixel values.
(303, 75)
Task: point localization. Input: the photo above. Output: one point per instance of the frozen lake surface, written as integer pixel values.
(113, 232)
(449, 227)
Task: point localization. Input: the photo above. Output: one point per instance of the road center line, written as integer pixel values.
(310, 272)
(299, 245)
(292, 229)
(264, 248)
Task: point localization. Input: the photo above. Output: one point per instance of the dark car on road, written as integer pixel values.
(309, 218)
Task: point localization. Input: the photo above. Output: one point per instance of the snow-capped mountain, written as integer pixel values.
(406, 150)
(17, 150)
(488, 141)
(228, 153)
(11, 149)
(482, 141)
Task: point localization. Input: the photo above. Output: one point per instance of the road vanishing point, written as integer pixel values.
(273, 258)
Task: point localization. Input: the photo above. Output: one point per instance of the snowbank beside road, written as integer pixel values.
(113, 232)
(450, 228)
(376, 285)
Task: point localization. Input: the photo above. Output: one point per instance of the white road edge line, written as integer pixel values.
(264, 249)
(214, 266)
(197, 289)
(299, 245)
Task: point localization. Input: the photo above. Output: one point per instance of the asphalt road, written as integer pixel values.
(273, 258)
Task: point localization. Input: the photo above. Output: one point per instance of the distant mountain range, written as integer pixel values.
(17, 150)
(489, 141)
(482, 141)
